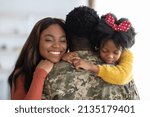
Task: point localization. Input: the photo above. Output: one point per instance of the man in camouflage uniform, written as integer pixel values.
(64, 82)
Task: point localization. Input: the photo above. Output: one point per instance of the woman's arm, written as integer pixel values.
(68, 57)
(36, 87)
(35, 90)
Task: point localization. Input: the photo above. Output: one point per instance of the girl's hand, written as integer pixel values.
(46, 65)
(80, 63)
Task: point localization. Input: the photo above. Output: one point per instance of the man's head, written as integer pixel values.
(80, 23)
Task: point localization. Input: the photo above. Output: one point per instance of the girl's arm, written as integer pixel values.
(119, 74)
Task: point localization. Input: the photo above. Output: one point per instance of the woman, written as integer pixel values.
(44, 47)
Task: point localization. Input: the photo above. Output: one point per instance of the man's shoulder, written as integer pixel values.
(89, 56)
(61, 65)
(60, 69)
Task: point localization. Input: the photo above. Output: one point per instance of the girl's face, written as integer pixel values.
(109, 53)
(53, 43)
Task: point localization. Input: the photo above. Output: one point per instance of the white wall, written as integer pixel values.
(137, 12)
(54, 8)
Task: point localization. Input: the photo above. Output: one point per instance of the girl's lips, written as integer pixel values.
(109, 61)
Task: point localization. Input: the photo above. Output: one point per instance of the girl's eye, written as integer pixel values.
(116, 52)
(104, 51)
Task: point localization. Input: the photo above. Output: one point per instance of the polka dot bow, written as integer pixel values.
(123, 26)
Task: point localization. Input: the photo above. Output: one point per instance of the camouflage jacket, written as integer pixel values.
(64, 82)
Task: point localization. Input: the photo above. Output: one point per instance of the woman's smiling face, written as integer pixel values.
(53, 43)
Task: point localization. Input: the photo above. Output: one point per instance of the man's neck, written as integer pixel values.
(79, 44)
(80, 49)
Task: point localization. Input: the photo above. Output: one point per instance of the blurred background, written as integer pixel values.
(17, 18)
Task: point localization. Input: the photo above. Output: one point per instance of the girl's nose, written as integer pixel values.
(110, 56)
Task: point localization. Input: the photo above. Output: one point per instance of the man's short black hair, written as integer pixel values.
(81, 21)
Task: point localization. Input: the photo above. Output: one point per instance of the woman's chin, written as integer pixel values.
(55, 61)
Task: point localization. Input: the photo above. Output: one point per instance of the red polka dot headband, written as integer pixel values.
(123, 26)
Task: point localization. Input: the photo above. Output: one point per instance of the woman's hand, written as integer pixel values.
(69, 56)
(46, 65)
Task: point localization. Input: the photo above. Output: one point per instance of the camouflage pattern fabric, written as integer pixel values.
(64, 82)
(119, 92)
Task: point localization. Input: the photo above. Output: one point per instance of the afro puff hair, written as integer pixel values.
(81, 21)
(120, 38)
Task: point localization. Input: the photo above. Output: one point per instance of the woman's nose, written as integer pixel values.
(56, 44)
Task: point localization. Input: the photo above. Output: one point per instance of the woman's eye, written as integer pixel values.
(63, 39)
(49, 39)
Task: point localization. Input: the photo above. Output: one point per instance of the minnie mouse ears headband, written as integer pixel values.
(122, 27)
